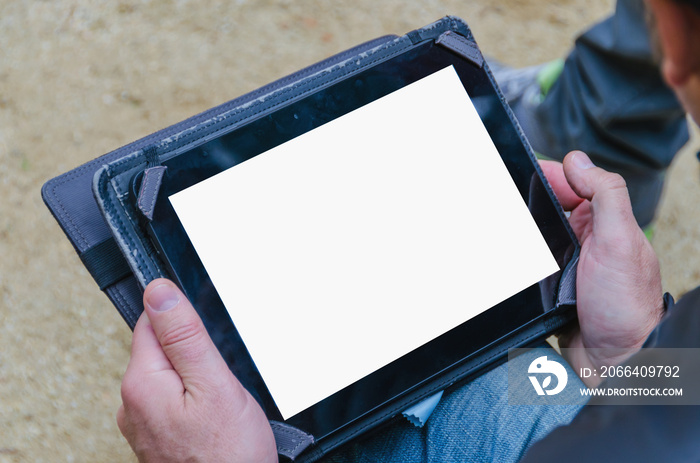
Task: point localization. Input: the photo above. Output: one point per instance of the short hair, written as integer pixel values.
(694, 3)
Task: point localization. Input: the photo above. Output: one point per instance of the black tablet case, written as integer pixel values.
(93, 205)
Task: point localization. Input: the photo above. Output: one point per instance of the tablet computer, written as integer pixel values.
(363, 239)
(356, 236)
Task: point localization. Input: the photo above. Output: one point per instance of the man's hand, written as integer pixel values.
(181, 401)
(618, 283)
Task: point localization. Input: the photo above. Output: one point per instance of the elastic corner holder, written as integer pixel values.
(462, 46)
(290, 440)
(148, 193)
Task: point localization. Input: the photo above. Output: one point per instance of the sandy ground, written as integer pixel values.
(79, 78)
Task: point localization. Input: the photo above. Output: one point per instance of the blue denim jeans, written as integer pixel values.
(474, 423)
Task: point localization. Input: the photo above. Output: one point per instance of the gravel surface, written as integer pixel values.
(79, 78)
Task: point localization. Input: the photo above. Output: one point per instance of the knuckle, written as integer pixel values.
(188, 332)
(614, 181)
(131, 390)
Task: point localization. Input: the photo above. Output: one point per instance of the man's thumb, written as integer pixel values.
(183, 337)
(607, 191)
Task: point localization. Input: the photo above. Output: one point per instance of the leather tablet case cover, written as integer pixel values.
(92, 204)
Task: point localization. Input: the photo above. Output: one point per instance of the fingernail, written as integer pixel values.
(163, 297)
(581, 160)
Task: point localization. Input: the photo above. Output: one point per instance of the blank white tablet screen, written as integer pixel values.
(351, 245)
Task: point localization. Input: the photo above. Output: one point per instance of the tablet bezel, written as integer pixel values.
(326, 104)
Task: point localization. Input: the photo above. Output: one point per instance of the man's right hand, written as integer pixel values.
(619, 295)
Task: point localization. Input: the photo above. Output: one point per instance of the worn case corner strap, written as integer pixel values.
(462, 46)
(567, 286)
(290, 440)
(105, 263)
(148, 193)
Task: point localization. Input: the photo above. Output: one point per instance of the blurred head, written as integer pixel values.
(678, 31)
